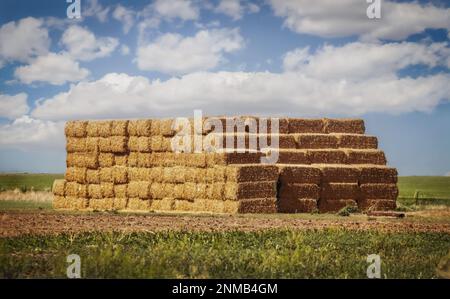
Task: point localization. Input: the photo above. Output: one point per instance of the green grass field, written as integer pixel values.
(330, 253)
(28, 181)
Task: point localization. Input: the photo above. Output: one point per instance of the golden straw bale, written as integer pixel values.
(236, 191)
(157, 190)
(107, 189)
(145, 160)
(336, 191)
(350, 126)
(376, 204)
(357, 141)
(92, 144)
(209, 178)
(335, 205)
(59, 187)
(250, 172)
(298, 125)
(144, 144)
(156, 143)
(288, 156)
(195, 160)
(218, 191)
(59, 202)
(166, 144)
(190, 174)
(297, 205)
(120, 159)
(156, 174)
(120, 203)
(379, 191)
(368, 156)
(164, 204)
(189, 191)
(75, 144)
(133, 143)
(220, 174)
(90, 160)
(200, 190)
(106, 175)
(93, 176)
(133, 174)
(120, 174)
(166, 127)
(173, 174)
(105, 159)
(82, 191)
(297, 191)
(133, 159)
(77, 203)
(119, 144)
(326, 156)
(71, 189)
(101, 204)
(92, 129)
(138, 204)
(76, 174)
(144, 174)
(258, 205)
(144, 127)
(119, 128)
(144, 190)
(183, 205)
(377, 174)
(178, 191)
(120, 191)
(94, 191)
(339, 173)
(133, 189)
(316, 141)
(104, 144)
(104, 128)
(75, 128)
(155, 127)
(132, 128)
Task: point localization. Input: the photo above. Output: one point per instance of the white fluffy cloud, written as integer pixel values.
(95, 9)
(348, 18)
(171, 9)
(235, 8)
(126, 16)
(53, 68)
(23, 40)
(83, 45)
(174, 54)
(27, 133)
(361, 61)
(13, 106)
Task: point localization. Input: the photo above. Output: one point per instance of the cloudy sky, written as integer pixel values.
(166, 58)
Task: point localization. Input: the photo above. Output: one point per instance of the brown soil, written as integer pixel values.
(21, 223)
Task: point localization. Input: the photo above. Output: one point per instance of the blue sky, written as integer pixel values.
(126, 59)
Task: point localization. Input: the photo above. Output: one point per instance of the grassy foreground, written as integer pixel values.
(330, 253)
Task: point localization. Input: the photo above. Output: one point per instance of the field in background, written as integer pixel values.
(28, 181)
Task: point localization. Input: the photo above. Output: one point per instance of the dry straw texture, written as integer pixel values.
(296, 205)
(316, 141)
(76, 128)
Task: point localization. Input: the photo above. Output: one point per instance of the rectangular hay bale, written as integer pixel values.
(75, 128)
(376, 157)
(326, 156)
(75, 144)
(379, 191)
(351, 126)
(297, 191)
(337, 191)
(58, 187)
(316, 141)
(298, 125)
(236, 191)
(297, 205)
(302, 174)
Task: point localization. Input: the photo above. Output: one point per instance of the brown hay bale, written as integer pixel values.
(92, 144)
(75, 144)
(94, 191)
(106, 175)
(138, 204)
(145, 160)
(316, 141)
(144, 144)
(297, 205)
(283, 126)
(104, 144)
(120, 174)
(71, 189)
(101, 204)
(118, 144)
(77, 203)
(120, 191)
(120, 159)
(377, 174)
(350, 126)
(105, 159)
(75, 128)
(298, 125)
(250, 173)
(326, 156)
(166, 127)
(59, 202)
(292, 156)
(302, 174)
(335, 205)
(76, 174)
(337, 191)
(120, 203)
(357, 141)
(339, 173)
(58, 187)
(119, 128)
(143, 127)
(376, 157)
(133, 143)
(297, 191)
(93, 176)
(107, 189)
(236, 191)
(376, 205)
(237, 158)
(133, 159)
(257, 205)
(379, 191)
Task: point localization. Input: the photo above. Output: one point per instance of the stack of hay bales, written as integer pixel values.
(323, 164)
